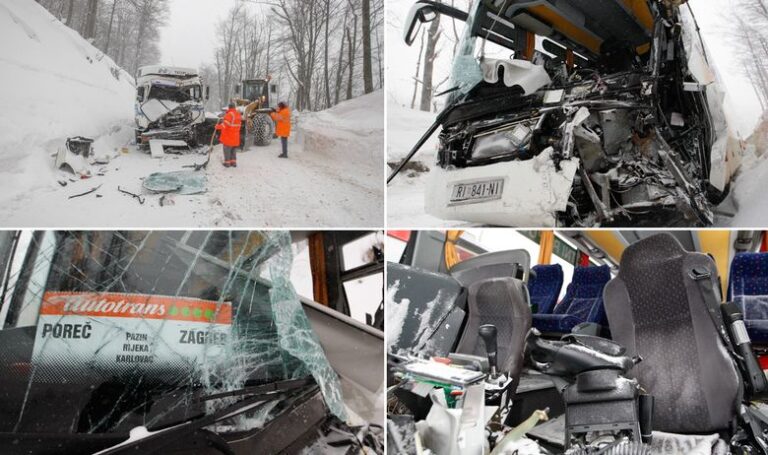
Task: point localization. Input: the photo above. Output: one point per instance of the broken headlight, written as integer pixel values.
(509, 141)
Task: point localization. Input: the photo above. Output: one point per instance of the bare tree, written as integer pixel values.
(90, 20)
(351, 46)
(125, 30)
(367, 64)
(430, 53)
(750, 42)
(416, 77)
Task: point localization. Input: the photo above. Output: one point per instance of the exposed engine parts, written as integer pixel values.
(644, 124)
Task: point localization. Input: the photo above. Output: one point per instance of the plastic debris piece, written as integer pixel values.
(520, 431)
(181, 182)
(156, 146)
(94, 189)
(135, 196)
(73, 157)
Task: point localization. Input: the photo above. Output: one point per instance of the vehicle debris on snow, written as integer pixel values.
(75, 155)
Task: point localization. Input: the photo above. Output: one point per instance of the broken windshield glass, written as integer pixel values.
(172, 92)
(108, 331)
(182, 182)
(466, 72)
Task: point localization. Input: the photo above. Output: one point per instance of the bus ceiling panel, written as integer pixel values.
(586, 23)
(609, 18)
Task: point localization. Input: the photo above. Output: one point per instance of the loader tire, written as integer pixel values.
(262, 130)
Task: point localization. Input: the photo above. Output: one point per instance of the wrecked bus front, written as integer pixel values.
(169, 104)
(581, 114)
(111, 333)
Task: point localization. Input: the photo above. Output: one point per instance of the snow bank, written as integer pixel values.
(405, 195)
(406, 127)
(748, 187)
(54, 85)
(351, 129)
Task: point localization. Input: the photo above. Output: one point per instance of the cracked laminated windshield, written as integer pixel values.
(108, 331)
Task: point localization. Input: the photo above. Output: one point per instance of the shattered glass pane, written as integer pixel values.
(466, 72)
(107, 331)
(181, 182)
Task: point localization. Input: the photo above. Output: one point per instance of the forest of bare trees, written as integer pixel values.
(750, 37)
(319, 52)
(128, 31)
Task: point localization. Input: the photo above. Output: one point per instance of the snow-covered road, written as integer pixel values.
(305, 190)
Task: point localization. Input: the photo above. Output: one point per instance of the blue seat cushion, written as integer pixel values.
(583, 302)
(544, 287)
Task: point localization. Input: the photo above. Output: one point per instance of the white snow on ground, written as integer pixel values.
(405, 194)
(748, 193)
(56, 85)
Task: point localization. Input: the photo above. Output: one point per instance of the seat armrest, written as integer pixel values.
(601, 344)
(587, 328)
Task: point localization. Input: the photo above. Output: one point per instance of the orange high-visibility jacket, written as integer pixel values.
(230, 128)
(282, 119)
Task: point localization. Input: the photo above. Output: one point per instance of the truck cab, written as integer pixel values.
(169, 104)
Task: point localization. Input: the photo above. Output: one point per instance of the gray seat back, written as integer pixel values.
(657, 311)
(502, 302)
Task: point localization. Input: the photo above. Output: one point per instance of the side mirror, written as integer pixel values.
(426, 11)
(273, 88)
(207, 92)
(237, 89)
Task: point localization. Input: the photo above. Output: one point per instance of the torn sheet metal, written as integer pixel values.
(156, 146)
(75, 155)
(423, 315)
(154, 109)
(529, 76)
(181, 182)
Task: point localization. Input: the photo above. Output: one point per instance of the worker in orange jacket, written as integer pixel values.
(230, 126)
(282, 118)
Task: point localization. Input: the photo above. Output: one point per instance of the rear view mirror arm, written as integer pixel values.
(418, 15)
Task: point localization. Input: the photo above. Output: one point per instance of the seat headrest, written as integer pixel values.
(652, 250)
(591, 275)
(750, 265)
(546, 273)
(749, 274)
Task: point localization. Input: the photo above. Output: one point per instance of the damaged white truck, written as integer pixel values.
(170, 105)
(578, 113)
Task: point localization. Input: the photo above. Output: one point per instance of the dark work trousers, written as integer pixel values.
(230, 154)
(284, 142)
